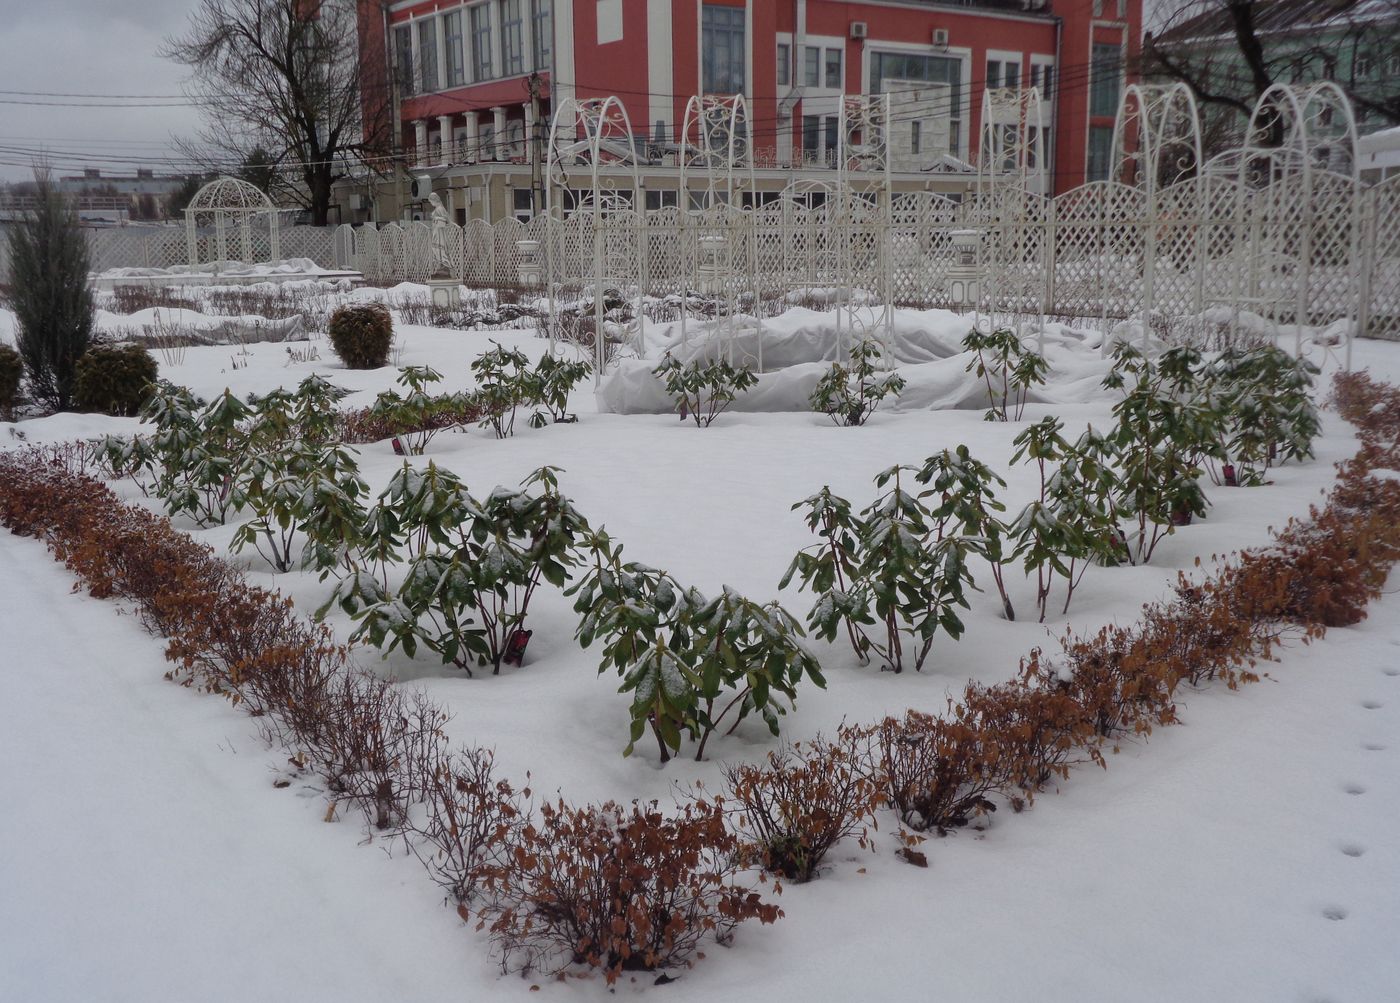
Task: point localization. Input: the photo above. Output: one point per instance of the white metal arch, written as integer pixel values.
(586, 135)
(863, 217)
(1012, 143)
(1157, 136)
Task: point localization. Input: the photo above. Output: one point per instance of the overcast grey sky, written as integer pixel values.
(103, 47)
(107, 47)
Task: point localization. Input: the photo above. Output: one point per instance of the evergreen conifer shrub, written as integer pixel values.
(362, 335)
(115, 379)
(50, 296)
(11, 372)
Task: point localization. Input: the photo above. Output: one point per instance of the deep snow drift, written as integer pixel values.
(1250, 854)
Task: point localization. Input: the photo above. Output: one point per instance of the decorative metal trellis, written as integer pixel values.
(1280, 227)
(861, 217)
(594, 139)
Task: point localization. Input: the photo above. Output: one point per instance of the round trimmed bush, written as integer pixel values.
(361, 335)
(11, 371)
(115, 379)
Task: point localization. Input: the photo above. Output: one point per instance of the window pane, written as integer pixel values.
(833, 68)
(926, 69)
(427, 53)
(1012, 74)
(784, 55)
(1100, 152)
(722, 30)
(481, 43)
(403, 56)
(512, 36)
(452, 39)
(812, 68)
(1103, 86)
(993, 74)
(543, 28)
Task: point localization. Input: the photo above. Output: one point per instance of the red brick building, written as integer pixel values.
(469, 81)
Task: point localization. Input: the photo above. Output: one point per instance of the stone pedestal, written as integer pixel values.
(964, 276)
(710, 273)
(529, 271)
(446, 292)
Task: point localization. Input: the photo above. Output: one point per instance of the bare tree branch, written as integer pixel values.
(283, 78)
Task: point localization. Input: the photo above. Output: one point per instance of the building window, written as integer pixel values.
(915, 135)
(812, 66)
(833, 69)
(1003, 73)
(481, 42)
(833, 138)
(1361, 67)
(660, 198)
(512, 39)
(1100, 152)
(1041, 77)
(722, 30)
(1105, 72)
(452, 42)
(522, 204)
(926, 69)
(427, 53)
(542, 26)
(403, 59)
(784, 69)
(811, 137)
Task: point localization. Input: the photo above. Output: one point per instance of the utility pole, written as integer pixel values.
(532, 87)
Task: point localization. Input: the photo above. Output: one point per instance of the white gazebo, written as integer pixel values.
(229, 203)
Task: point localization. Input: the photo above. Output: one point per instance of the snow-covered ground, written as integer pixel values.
(148, 856)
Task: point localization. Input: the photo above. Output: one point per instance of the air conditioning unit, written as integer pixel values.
(940, 38)
(859, 29)
(422, 187)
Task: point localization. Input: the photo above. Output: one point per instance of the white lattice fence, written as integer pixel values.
(1381, 244)
(314, 242)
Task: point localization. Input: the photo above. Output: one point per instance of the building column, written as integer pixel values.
(449, 155)
(472, 120)
(420, 140)
(498, 123)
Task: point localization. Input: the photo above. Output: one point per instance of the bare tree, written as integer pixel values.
(282, 79)
(1229, 52)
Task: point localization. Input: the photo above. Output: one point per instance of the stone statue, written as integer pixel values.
(439, 235)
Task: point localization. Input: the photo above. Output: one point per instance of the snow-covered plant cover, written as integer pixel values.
(691, 664)
(849, 396)
(964, 504)
(702, 392)
(1009, 369)
(898, 572)
(472, 566)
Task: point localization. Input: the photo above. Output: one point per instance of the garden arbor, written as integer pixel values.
(243, 219)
